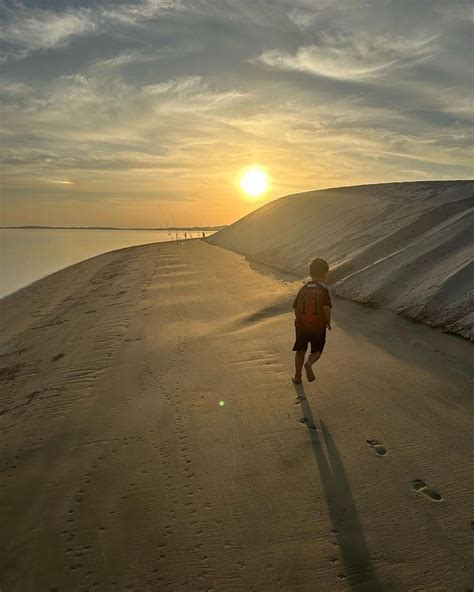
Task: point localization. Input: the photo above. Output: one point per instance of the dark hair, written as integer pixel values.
(318, 267)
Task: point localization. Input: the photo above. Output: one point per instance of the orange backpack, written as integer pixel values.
(309, 308)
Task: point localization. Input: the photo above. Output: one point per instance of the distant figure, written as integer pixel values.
(312, 315)
(203, 234)
(185, 235)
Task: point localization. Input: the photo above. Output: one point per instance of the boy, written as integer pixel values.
(312, 315)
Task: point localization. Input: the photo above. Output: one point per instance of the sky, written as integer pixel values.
(126, 113)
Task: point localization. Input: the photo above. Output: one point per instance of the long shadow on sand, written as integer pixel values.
(350, 547)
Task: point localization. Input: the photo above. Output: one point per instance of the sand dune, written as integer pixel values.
(121, 471)
(404, 246)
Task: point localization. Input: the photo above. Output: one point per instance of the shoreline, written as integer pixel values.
(81, 262)
(25, 259)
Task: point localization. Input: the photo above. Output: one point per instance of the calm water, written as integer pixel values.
(27, 255)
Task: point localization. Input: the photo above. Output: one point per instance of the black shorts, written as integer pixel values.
(317, 341)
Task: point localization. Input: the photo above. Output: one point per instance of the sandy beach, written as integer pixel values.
(150, 438)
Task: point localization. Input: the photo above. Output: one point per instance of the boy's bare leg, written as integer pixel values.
(312, 358)
(299, 361)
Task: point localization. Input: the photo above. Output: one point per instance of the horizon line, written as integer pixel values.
(38, 226)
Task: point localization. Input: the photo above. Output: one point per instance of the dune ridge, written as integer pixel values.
(407, 247)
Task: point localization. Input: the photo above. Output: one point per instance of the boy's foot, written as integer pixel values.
(309, 373)
(296, 380)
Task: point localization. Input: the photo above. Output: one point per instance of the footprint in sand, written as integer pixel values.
(7, 374)
(377, 446)
(306, 422)
(422, 487)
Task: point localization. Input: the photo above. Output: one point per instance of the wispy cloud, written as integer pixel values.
(131, 13)
(33, 29)
(126, 58)
(28, 29)
(85, 122)
(59, 181)
(351, 57)
(306, 13)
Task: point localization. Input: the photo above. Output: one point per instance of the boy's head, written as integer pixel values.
(318, 269)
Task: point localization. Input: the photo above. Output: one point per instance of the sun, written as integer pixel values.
(254, 182)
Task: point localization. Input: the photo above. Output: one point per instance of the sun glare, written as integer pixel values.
(254, 182)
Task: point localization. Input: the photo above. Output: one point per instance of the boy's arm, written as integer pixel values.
(327, 305)
(327, 314)
(295, 302)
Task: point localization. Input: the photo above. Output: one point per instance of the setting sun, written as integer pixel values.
(254, 182)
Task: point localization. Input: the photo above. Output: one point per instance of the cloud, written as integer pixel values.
(33, 29)
(126, 58)
(13, 88)
(86, 122)
(30, 29)
(351, 57)
(131, 13)
(191, 94)
(59, 181)
(306, 13)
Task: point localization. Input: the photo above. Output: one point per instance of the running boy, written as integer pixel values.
(312, 315)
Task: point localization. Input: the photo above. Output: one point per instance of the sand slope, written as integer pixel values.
(404, 246)
(120, 471)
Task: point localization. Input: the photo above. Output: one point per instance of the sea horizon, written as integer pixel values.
(164, 228)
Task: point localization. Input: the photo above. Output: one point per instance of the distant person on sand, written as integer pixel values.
(203, 234)
(312, 315)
